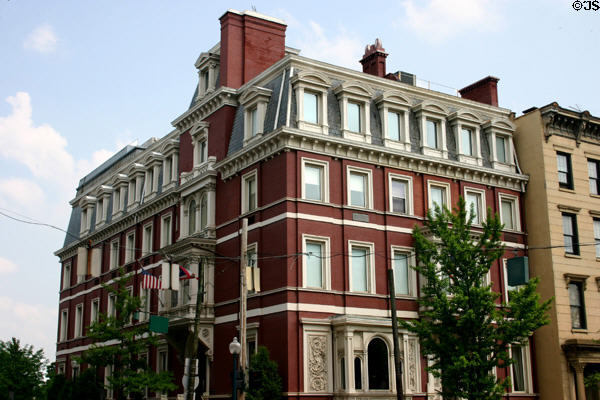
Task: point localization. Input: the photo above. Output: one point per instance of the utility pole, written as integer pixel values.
(243, 298)
(397, 361)
(192, 358)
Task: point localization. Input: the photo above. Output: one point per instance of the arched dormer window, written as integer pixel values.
(379, 376)
(192, 218)
(203, 212)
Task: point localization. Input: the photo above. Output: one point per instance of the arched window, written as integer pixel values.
(203, 213)
(357, 373)
(378, 365)
(192, 217)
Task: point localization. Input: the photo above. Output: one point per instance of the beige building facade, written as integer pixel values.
(560, 150)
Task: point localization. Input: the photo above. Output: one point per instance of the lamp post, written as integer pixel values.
(235, 349)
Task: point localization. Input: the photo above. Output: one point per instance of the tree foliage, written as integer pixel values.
(264, 382)
(131, 374)
(85, 386)
(463, 328)
(21, 370)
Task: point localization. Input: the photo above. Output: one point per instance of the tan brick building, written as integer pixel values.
(560, 150)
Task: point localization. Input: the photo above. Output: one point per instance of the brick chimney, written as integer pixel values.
(483, 91)
(373, 61)
(250, 43)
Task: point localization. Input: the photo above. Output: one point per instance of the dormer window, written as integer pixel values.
(208, 66)
(120, 184)
(170, 164)
(87, 204)
(154, 162)
(432, 123)
(103, 194)
(501, 148)
(254, 101)
(136, 183)
(354, 99)
(200, 143)
(465, 126)
(310, 89)
(394, 111)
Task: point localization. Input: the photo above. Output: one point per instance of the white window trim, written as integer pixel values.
(199, 134)
(247, 176)
(94, 318)
(66, 279)
(396, 103)
(145, 299)
(64, 325)
(325, 260)
(370, 265)
(482, 206)
(129, 252)
(409, 195)
(111, 311)
(163, 235)
(257, 98)
(427, 111)
(516, 213)
(78, 328)
(358, 93)
(114, 263)
(412, 274)
(369, 194)
(505, 129)
(318, 84)
(160, 349)
(462, 119)
(446, 186)
(147, 247)
(324, 183)
(526, 365)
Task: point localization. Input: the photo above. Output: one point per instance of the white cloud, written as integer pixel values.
(7, 266)
(439, 20)
(42, 39)
(34, 324)
(26, 193)
(342, 47)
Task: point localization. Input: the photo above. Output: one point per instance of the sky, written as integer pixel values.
(80, 79)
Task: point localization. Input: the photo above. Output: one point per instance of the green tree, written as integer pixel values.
(131, 374)
(463, 328)
(264, 380)
(21, 370)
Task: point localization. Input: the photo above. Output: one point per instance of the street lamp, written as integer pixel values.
(235, 348)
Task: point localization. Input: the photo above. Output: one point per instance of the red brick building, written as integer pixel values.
(332, 168)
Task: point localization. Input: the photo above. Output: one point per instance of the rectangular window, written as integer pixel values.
(111, 310)
(253, 122)
(314, 264)
(466, 141)
(594, 172)
(95, 311)
(130, 248)
(64, 325)
(597, 236)
(114, 254)
(313, 182)
(353, 117)
(202, 152)
(508, 213)
(360, 268)
(165, 233)
(578, 320)
(570, 233)
(145, 299)
(147, 240)
(394, 124)
(79, 321)
(565, 172)
(399, 195)
(438, 195)
(311, 107)
(432, 134)
(162, 363)
(474, 202)
(501, 149)
(358, 185)
(66, 276)
(252, 270)
(401, 273)
(520, 368)
(249, 200)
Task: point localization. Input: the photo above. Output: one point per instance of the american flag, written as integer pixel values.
(149, 281)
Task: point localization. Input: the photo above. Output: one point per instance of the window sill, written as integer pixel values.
(567, 190)
(579, 330)
(576, 256)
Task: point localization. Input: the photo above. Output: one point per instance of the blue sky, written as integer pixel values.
(81, 79)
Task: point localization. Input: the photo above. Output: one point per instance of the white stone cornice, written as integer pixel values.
(285, 139)
(223, 96)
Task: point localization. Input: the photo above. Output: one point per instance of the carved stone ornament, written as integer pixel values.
(317, 363)
(412, 365)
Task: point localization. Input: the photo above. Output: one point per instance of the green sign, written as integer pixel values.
(159, 324)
